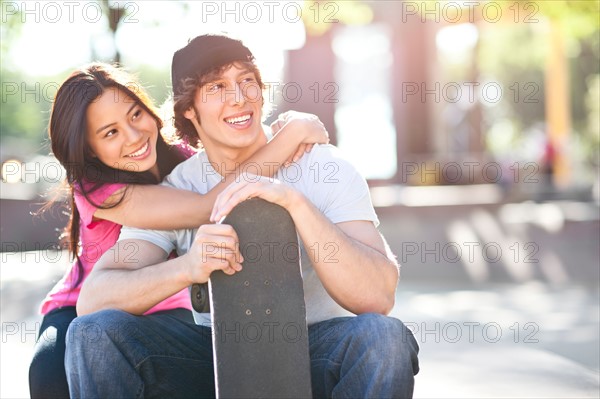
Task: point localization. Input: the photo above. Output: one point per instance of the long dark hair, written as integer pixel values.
(67, 131)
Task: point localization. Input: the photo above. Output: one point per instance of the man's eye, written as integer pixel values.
(211, 88)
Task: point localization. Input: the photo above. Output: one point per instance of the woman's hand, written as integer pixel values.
(308, 128)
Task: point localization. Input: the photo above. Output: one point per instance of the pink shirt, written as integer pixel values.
(97, 236)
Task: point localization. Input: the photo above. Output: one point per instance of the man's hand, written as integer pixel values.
(250, 186)
(215, 247)
(360, 275)
(308, 126)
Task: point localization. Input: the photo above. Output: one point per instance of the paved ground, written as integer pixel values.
(504, 340)
(504, 299)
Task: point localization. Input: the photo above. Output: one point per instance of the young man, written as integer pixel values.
(347, 267)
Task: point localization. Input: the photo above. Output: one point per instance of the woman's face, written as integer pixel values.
(121, 133)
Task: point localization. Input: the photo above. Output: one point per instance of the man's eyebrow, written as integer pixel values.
(215, 78)
(210, 79)
(244, 71)
(112, 123)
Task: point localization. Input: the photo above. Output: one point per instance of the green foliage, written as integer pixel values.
(156, 81)
(25, 106)
(508, 51)
(10, 27)
(320, 16)
(514, 56)
(579, 18)
(592, 129)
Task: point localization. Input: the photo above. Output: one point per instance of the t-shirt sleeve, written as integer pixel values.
(97, 197)
(337, 188)
(165, 239)
(162, 238)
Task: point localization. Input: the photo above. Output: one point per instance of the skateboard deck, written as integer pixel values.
(260, 338)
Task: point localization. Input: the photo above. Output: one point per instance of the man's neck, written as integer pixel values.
(228, 160)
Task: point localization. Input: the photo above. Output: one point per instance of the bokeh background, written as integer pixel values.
(476, 123)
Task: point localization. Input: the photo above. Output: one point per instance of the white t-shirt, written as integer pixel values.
(330, 182)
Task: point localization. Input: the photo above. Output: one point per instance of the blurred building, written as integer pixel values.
(400, 89)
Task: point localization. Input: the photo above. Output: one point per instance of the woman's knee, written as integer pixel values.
(47, 371)
(47, 378)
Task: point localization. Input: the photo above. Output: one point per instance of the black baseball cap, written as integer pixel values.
(203, 54)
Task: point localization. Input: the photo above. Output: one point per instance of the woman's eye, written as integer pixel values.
(111, 133)
(136, 114)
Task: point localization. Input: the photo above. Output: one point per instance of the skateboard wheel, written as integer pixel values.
(200, 298)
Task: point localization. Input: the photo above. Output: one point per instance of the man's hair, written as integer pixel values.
(202, 60)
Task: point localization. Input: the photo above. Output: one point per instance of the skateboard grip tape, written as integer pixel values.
(260, 337)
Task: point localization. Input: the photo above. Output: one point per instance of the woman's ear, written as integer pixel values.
(190, 113)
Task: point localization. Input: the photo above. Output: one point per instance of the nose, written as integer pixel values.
(133, 135)
(236, 95)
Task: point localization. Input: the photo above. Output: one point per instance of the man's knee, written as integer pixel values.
(387, 338)
(380, 329)
(98, 331)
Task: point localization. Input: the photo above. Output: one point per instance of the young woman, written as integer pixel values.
(105, 131)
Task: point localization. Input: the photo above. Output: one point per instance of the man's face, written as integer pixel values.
(227, 113)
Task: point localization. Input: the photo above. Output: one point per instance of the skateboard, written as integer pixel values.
(260, 338)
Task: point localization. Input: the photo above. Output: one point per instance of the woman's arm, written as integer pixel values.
(165, 208)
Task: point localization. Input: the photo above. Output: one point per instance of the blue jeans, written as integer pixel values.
(118, 355)
(47, 377)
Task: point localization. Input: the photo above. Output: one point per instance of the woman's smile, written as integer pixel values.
(142, 153)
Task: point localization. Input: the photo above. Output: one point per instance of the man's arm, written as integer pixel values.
(134, 276)
(351, 258)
